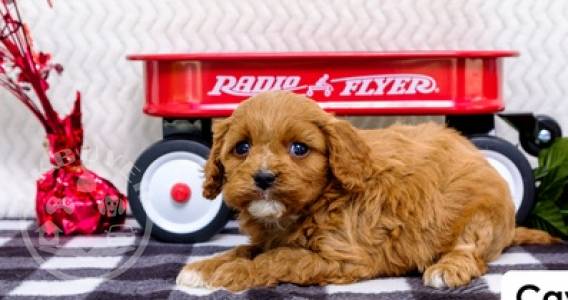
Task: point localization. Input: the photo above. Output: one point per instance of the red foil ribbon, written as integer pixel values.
(70, 198)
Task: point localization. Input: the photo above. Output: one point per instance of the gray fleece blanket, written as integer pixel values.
(123, 264)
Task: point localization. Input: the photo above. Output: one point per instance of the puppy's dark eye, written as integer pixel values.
(242, 148)
(299, 149)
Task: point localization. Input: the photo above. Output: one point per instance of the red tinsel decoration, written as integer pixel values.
(70, 198)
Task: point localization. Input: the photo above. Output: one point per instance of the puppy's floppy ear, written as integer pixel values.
(349, 155)
(214, 170)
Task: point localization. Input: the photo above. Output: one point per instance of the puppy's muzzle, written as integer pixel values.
(264, 179)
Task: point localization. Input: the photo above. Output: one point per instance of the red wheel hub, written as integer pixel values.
(180, 192)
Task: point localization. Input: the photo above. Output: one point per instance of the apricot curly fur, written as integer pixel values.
(360, 204)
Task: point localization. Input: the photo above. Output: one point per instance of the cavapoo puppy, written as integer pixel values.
(324, 202)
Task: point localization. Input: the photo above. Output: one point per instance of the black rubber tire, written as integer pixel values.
(528, 140)
(142, 163)
(499, 145)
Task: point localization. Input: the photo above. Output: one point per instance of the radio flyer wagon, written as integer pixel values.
(188, 90)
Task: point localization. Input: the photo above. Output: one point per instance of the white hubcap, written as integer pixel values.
(509, 171)
(156, 199)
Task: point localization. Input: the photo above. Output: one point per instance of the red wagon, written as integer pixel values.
(188, 90)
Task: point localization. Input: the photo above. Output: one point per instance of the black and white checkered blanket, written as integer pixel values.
(121, 265)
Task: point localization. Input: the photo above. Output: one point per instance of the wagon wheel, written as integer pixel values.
(542, 136)
(514, 167)
(165, 187)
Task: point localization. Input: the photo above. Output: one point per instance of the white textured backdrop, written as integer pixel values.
(91, 38)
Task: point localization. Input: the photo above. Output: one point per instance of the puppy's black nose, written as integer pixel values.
(264, 179)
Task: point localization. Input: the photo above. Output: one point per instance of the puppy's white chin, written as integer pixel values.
(266, 209)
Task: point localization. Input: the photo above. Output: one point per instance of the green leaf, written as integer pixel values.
(548, 213)
(540, 173)
(551, 209)
(552, 171)
(555, 155)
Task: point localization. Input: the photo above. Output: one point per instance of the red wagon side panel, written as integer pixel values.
(208, 85)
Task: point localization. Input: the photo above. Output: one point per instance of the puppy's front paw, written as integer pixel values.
(236, 275)
(445, 275)
(435, 280)
(197, 274)
(191, 278)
